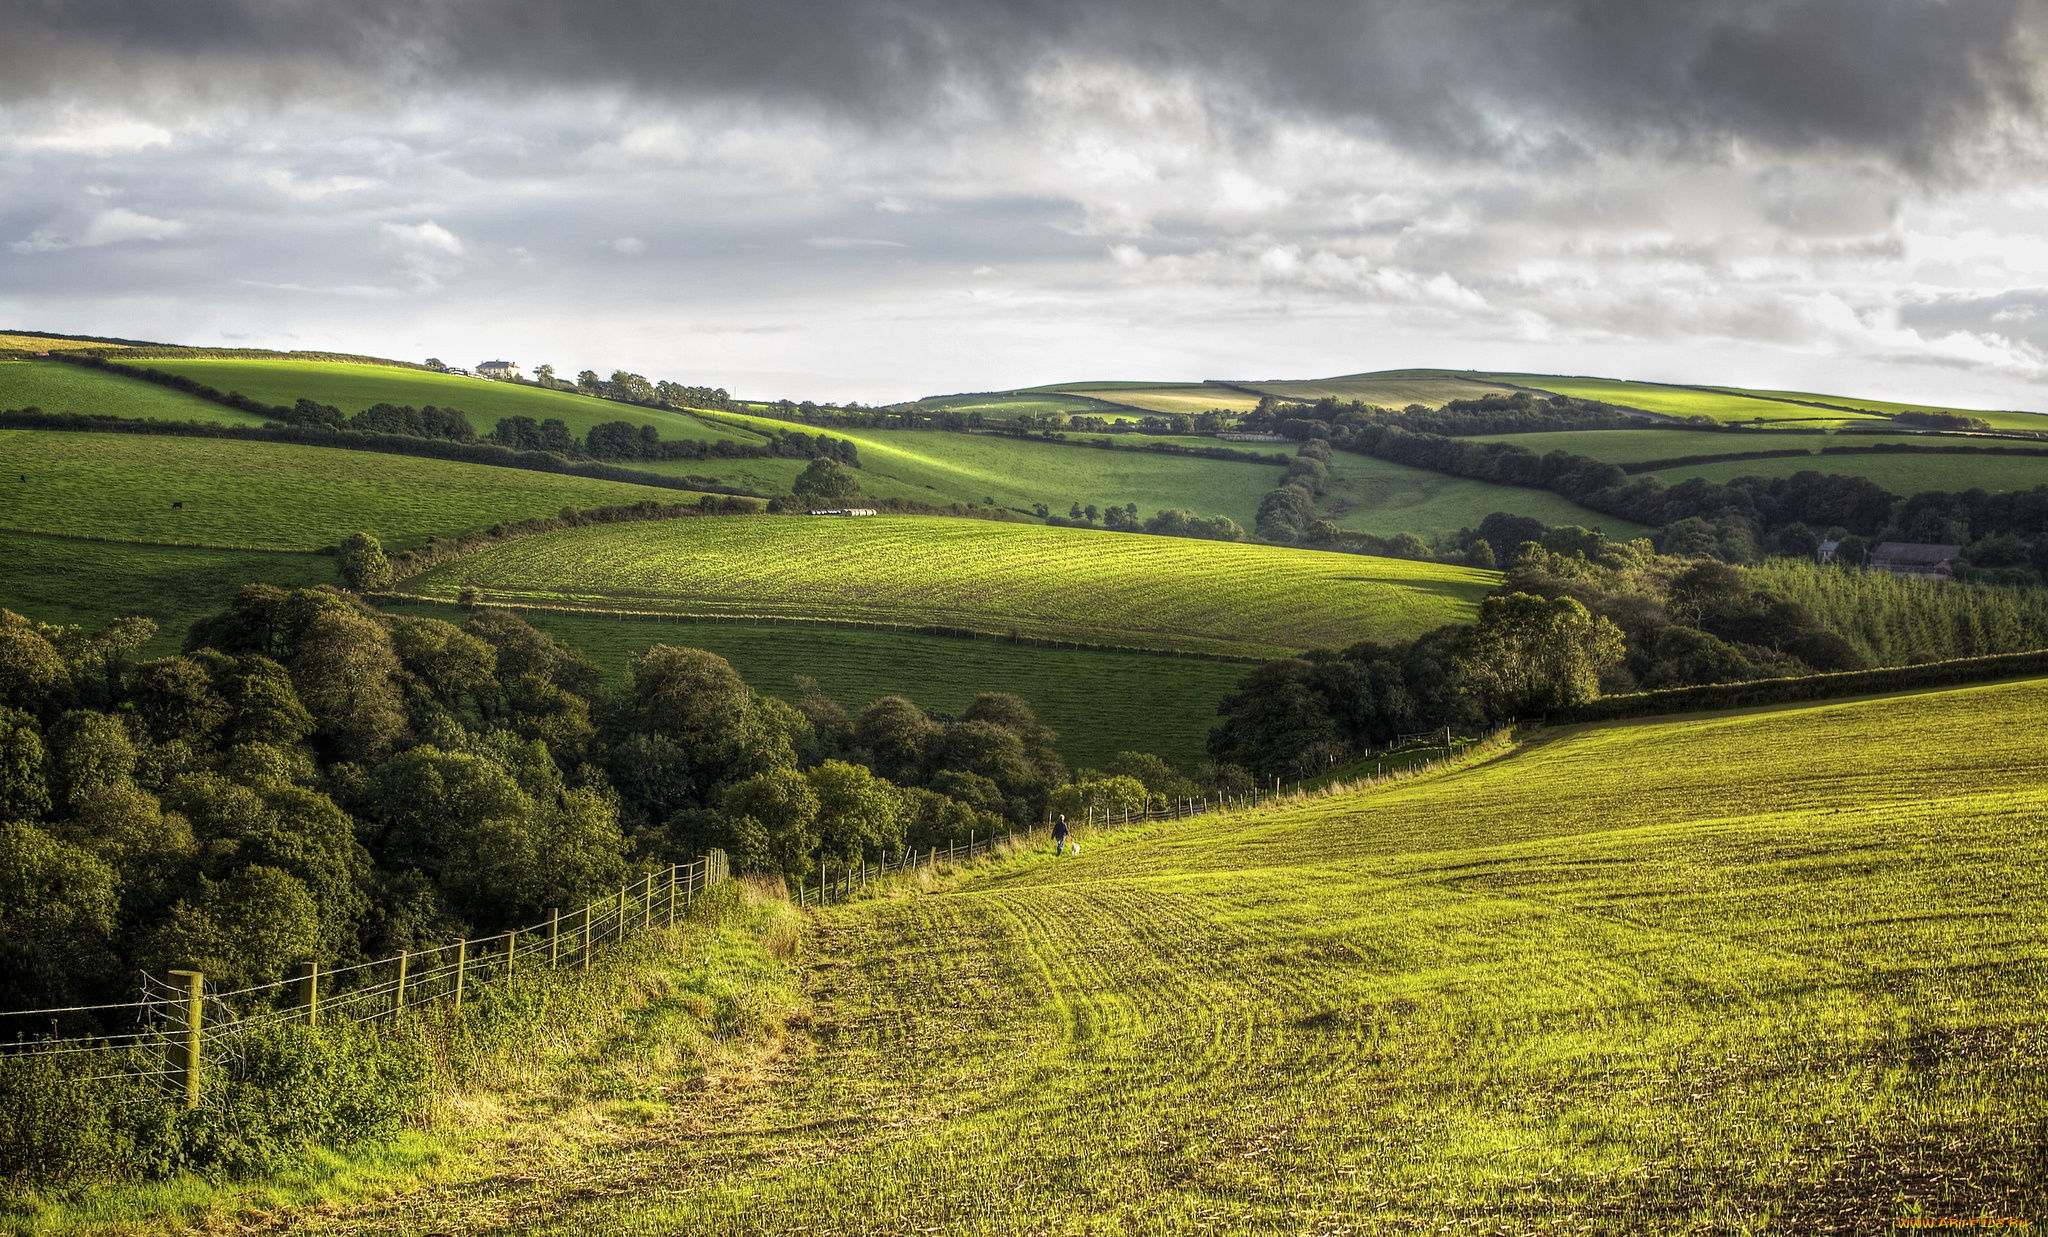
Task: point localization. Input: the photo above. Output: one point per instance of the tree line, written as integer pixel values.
(311, 778)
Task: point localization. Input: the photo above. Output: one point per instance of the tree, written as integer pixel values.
(343, 670)
(31, 672)
(857, 811)
(362, 562)
(896, 739)
(24, 794)
(1530, 654)
(826, 481)
(544, 375)
(772, 819)
(57, 913)
(251, 928)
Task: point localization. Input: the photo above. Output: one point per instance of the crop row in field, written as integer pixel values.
(263, 495)
(1100, 702)
(1715, 974)
(1097, 588)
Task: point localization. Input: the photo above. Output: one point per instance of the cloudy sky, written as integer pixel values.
(879, 199)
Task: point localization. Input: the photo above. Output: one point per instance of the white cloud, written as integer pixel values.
(425, 236)
(628, 244)
(851, 242)
(111, 227)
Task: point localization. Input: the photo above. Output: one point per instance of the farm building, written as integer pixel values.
(1929, 562)
(498, 369)
(844, 511)
(1826, 553)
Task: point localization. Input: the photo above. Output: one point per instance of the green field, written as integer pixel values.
(10, 342)
(54, 386)
(1120, 590)
(1676, 401)
(1999, 419)
(1100, 702)
(1374, 496)
(1190, 399)
(61, 580)
(1773, 972)
(1004, 404)
(1901, 474)
(353, 388)
(1394, 388)
(941, 467)
(264, 495)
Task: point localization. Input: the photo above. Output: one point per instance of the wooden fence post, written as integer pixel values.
(511, 951)
(187, 1071)
(622, 912)
(671, 895)
(647, 904)
(309, 992)
(554, 938)
(586, 935)
(398, 996)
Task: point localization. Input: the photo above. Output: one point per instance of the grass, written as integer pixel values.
(353, 388)
(1675, 401)
(60, 580)
(944, 467)
(1394, 388)
(1901, 474)
(1765, 972)
(1121, 590)
(1376, 496)
(271, 496)
(11, 342)
(54, 386)
(1192, 399)
(1101, 703)
(1006, 404)
(1999, 418)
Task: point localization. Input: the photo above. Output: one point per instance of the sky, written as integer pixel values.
(882, 199)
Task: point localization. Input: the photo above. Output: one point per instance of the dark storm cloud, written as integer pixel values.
(1899, 79)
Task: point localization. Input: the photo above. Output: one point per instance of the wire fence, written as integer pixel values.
(180, 1027)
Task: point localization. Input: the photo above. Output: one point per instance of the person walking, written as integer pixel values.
(1059, 835)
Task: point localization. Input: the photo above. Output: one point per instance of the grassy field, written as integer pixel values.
(1394, 388)
(1700, 975)
(54, 386)
(1191, 399)
(10, 342)
(1017, 473)
(1006, 404)
(1115, 589)
(1375, 496)
(60, 580)
(264, 495)
(1999, 419)
(1101, 703)
(353, 388)
(1677, 401)
(1901, 474)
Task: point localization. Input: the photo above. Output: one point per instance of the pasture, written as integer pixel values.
(1695, 975)
(1375, 496)
(270, 496)
(1121, 590)
(62, 580)
(15, 342)
(2003, 419)
(1394, 388)
(1901, 474)
(941, 467)
(352, 388)
(1187, 397)
(1003, 405)
(54, 386)
(1678, 401)
(1100, 702)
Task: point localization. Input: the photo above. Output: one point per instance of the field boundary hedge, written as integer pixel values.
(1841, 684)
(487, 454)
(387, 596)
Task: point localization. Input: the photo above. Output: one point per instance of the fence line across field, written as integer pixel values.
(186, 1027)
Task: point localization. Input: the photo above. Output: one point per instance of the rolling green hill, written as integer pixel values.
(1700, 975)
(1098, 588)
(1901, 474)
(54, 386)
(1679, 401)
(263, 495)
(1394, 388)
(352, 388)
(1999, 419)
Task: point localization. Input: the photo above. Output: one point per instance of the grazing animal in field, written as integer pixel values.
(175, 506)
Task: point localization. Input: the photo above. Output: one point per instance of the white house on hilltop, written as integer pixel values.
(498, 369)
